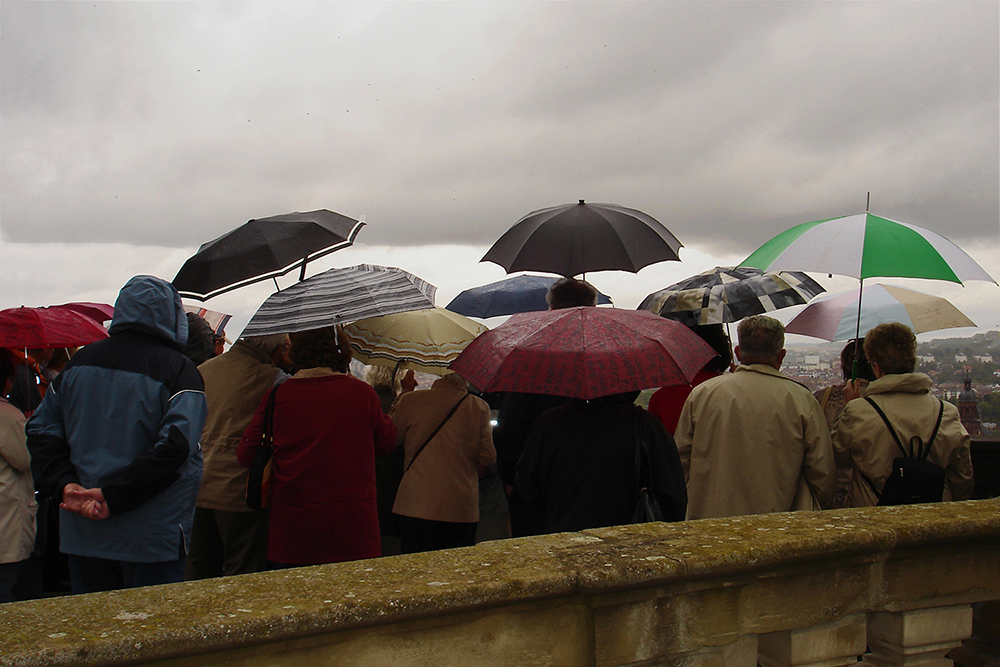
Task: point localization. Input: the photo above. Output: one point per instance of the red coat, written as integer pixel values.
(666, 403)
(327, 432)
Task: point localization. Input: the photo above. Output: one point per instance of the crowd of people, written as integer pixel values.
(137, 448)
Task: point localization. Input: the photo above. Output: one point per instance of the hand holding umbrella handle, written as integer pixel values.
(409, 381)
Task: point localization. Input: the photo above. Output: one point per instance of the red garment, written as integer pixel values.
(327, 432)
(666, 403)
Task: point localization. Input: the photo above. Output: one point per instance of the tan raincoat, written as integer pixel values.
(753, 442)
(862, 440)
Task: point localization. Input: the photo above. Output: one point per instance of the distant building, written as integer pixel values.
(984, 358)
(961, 358)
(968, 409)
(926, 358)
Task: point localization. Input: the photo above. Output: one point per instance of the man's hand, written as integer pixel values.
(88, 503)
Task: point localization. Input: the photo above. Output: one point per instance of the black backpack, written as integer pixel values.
(913, 479)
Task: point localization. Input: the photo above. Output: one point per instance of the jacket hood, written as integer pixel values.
(151, 305)
(910, 383)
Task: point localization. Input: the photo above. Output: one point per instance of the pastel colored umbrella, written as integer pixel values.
(573, 239)
(425, 341)
(836, 317)
(517, 294)
(264, 248)
(584, 353)
(31, 328)
(340, 296)
(726, 294)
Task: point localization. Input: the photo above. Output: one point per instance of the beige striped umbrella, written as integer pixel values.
(425, 341)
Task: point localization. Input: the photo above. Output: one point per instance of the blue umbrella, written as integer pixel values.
(520, 294)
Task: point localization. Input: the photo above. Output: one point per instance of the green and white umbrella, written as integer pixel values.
(866, 246)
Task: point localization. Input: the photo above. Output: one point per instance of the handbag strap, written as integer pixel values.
(431, 437)
(641, 454)
(267, 435)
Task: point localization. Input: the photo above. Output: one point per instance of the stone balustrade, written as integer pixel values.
(806, 589)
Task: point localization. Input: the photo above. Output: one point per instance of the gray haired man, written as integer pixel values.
(755, 441)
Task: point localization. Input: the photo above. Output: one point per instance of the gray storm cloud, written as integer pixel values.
(170, 123)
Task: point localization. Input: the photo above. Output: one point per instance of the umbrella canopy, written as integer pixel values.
(866, 246)
(583, 353)
(518, 294)
(572, 239)
(99, 312)
(425, 341)
(729, 294)
(215, 319)
(47, 328)
(836, 317)
(264, 248)
(339, 296)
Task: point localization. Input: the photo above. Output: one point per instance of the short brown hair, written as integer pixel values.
(893, 346)
(328, 347)
(569, 293)
(761, 337)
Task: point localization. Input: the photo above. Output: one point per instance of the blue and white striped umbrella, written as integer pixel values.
(339, 296)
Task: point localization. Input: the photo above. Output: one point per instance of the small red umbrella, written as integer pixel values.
(47, 327)
(99, 312)
(584, 353)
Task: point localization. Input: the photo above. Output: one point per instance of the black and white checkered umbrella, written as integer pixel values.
(730, 294)
(339, 296)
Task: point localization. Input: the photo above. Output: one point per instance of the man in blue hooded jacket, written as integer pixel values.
(116, 441)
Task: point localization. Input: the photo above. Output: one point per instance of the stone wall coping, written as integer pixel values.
(141, 625)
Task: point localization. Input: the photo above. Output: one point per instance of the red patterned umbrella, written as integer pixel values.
(583, 353)
(47, 327)
(99, 312)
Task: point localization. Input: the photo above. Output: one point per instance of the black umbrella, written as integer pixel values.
(264, 248)
(572, 239)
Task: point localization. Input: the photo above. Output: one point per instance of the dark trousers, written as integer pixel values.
(8, 577)
(226, 543)
(416, 535)
(91, 575)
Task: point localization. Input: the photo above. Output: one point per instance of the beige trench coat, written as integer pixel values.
(443, 484)
(862, 440)
(17, 493)
(234, 384)
(753, 442)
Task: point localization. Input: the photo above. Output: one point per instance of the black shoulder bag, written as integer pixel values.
(647, 507)
(259, 477)
(913, 479)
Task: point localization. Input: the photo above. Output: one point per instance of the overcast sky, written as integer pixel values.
(158, 126)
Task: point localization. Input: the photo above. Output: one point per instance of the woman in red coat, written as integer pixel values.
(328, 429)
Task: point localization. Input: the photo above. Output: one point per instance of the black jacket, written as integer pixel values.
(578, 466)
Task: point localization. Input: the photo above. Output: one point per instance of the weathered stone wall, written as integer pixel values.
(710, 592)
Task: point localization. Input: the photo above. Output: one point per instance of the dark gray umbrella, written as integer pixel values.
(518, 294)
(340, 296)
(264, 248)
(572, 239)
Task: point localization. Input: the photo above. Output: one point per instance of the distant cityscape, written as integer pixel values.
(948, 361)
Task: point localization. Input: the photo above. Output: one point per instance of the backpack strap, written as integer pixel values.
(930, 443)
(891, 429)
